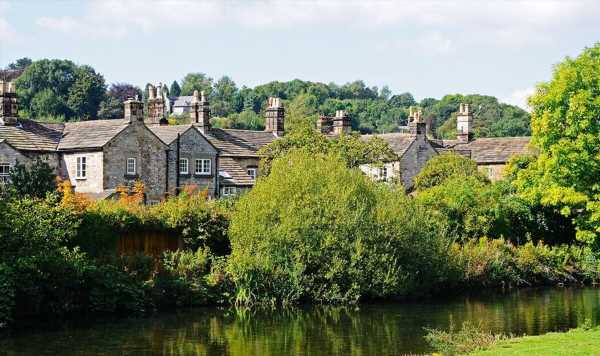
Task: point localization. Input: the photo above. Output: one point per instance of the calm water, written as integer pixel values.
(383, 329)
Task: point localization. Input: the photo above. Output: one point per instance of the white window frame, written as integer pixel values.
(203, 166)
(131, 163)
(184, 163)
(81, 167)
(252, 171)
(229, 191)
(4, 173)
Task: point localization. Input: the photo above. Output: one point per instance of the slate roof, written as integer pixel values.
(232, 173)
(240, 143)
(184, 101)
(495, 149)
(90, 134)
(399, 142)
(168, 133)
(29, 135)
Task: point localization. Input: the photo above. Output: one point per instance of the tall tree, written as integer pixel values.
(86, 93)
(566, 131)
(175, 89)
(196, 81)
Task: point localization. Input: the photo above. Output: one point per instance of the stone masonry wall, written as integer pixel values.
(93, 182)
(415, 159)
(138, 142)
(193, 146)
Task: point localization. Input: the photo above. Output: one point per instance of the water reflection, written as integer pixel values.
(383, 329)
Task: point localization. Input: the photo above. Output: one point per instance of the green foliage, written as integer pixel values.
(60, 88)
(7, 295)
(196, 81)
(490, 118)
(112, 105)
(566, 131)
(315, 230)
(350, 148)
(34, 180)
(445, 166)
(469, 338)
(175, 89)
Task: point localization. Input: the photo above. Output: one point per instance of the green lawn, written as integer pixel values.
(574, 342)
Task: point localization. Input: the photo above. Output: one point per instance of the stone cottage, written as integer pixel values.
(490, 153)
(413, 149)
(97, 156)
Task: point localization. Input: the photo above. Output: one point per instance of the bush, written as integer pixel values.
(7, 295)
(446, 166)
(315, 230)
(457, 342)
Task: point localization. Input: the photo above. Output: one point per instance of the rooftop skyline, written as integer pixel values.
(428, 48)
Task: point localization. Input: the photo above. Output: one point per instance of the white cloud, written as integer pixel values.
(519, 98)
(508, 22)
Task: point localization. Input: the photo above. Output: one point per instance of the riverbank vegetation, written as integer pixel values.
(473, 339)
(316, 230)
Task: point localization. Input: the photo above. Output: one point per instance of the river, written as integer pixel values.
(369, 329)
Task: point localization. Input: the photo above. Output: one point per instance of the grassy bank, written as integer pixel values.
(574, 342)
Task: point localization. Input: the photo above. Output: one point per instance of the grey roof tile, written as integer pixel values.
(29, 135)
(241, 143)
(232, 173)
(90, 134)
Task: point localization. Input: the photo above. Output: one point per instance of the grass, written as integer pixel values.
(574, 342)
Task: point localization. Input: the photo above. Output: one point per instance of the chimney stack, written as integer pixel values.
(8, 104)
(416, 124)
(324, 124)
(464, 123)
(200, 112)
(341, 123)
(134, 110)
(156, 104)
(274, 116)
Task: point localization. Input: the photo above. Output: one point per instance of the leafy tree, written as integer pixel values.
(445, 166)
(175, 89)
(404, 100)
(302, 111)
(60, 88)
(350, 148)
(566, 132)
(20, 64)
(196, 81)
(34, 180)
(117, 94)
(86, 93)
(225, 91)
(315, 230)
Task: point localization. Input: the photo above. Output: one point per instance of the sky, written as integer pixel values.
(428, 48)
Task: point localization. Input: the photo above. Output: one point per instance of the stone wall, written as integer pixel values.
(414, 159)
(494, 172)
(193, 146)
(138, 142)
(93, 182)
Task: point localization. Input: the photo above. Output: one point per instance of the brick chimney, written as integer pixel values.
(416, 123)
(324, 124)
(341, 123)
(134, 110)
(274, 116)
(156, 104)
(464, 123)
(200, 112)
(8, 104)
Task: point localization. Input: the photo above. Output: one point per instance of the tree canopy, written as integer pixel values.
(566, 131)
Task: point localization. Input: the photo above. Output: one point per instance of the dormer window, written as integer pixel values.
(81, 171)
(131, 167)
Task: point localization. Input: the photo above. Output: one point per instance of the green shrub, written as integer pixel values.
(7, 295)
(469, 338)
(315, 230)
(447, 166)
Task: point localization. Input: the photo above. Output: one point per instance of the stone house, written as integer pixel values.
(413, 149)
(98, 156)
(490, 153)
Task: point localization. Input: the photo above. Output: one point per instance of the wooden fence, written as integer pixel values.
(149, 243)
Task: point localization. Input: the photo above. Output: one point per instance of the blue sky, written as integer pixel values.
(429, 48)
